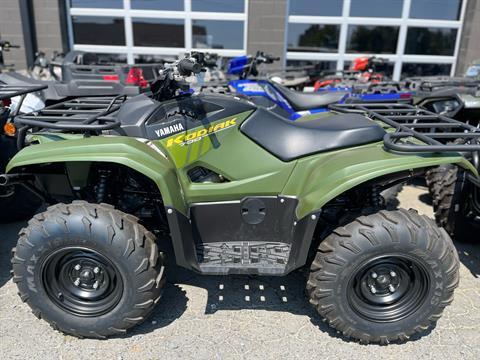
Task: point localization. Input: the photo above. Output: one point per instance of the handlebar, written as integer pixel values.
(186, 67)
(261, 57)
(6, 45)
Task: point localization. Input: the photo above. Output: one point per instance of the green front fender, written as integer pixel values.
(320, 178)
(138, 155)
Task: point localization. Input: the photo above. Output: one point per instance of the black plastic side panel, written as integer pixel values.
(144, 117)
(182, 239)
(221, 239)
(235, 220)
(257, 235)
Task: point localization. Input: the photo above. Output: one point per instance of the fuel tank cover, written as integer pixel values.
(253, 211)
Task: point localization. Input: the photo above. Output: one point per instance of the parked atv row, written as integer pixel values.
(235, 188)
(80, 73)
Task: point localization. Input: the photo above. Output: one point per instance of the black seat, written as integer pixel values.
(306, 101)
(289, 140)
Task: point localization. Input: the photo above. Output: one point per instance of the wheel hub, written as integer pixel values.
(388, 288)
(82, 281)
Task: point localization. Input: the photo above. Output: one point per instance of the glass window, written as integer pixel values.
(98, 30)
(376, 8)
(313, 68)
(153, 59)
(386, 68)
(316, 7)
(411, 69)
(312, 64)
(232, 6)
(217, 34)
(372, 39)
(158, 32)
(436, 9)
(313, 37)
(170, 5)
(104, 58)
(105, 4)
(430, 41)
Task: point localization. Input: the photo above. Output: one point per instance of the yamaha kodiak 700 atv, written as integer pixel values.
(236, 189)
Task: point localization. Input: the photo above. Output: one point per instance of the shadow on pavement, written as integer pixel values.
(8, 239)
(470, 256)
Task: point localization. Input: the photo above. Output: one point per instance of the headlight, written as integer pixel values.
(445, 106)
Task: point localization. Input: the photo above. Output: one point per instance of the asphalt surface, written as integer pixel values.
(240, 317)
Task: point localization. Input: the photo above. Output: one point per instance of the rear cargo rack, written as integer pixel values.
(81, 115)
(417, 130)
(9, 91)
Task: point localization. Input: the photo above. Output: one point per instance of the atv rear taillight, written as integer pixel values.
(6, 102)
(110, 77)
(135, 77)
(405, 96)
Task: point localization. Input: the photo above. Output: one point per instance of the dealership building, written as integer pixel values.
(425, 37)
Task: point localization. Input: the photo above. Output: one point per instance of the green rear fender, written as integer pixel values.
(138, 155)
(320, 178)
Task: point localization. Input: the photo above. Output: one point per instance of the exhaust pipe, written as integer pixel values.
(12, 179)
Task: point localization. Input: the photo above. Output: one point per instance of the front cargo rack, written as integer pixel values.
(430, 84)
(417, 130)
(87, 115)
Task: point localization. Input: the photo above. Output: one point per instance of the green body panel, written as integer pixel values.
(250, 169)
(320, 178)
(115, 149)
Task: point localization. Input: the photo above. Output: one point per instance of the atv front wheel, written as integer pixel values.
(87, 269)
(384, 277)
(455, 205)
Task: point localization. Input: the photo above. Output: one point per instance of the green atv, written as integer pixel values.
(235, 189)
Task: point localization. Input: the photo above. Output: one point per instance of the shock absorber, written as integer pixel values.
(103, 176)
(376, 198)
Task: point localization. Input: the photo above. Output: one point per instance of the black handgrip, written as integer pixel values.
(186, 67)
(267, 58)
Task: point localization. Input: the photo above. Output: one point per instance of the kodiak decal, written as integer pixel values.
(169, 130)
(193, 136)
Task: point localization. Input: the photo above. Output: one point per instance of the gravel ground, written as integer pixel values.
(238, 317)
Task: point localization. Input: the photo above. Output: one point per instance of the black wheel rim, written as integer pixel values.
(82, 281)
(388, 288)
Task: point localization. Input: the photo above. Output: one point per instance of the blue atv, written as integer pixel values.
(378, 92)
(275, 97)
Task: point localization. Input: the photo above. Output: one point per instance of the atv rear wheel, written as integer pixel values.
(384, 277)
(434, 176)
(87, 269)
(454, 205)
